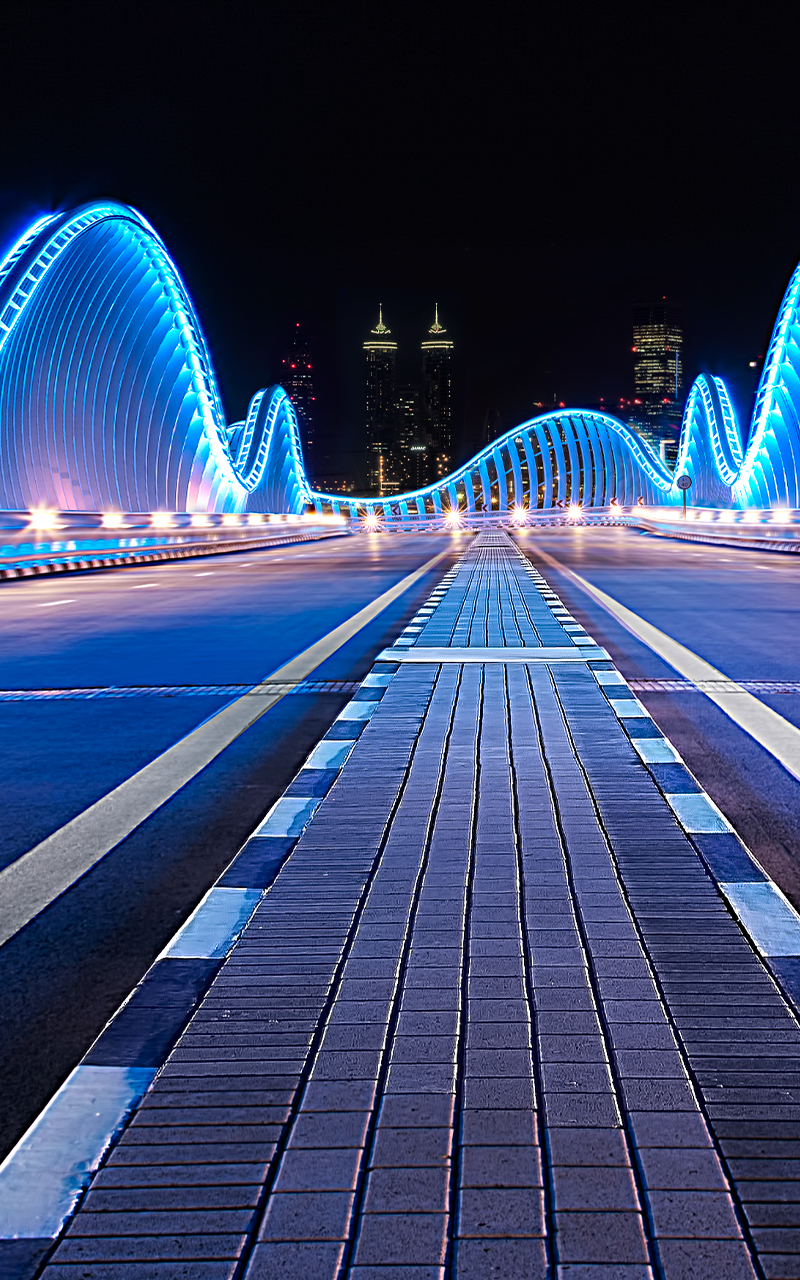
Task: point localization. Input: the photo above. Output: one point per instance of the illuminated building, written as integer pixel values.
(297, 380)
(658, 373)
(437, 393)
(380, 353)
(109, 403)
(407, 437)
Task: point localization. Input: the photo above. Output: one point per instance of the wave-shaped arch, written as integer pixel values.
(108, 400)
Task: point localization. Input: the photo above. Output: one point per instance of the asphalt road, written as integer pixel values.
(229, 620)
(740, 611)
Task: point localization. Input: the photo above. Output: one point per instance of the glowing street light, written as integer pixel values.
(371, 522)
(43, 519)
(574, 511)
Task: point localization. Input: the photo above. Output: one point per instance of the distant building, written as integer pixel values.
(658, 373)
(418, 465)
(297, 381)
(335, 482)
(380, 354)
(408, 465)
(437, 397)
(492, 426)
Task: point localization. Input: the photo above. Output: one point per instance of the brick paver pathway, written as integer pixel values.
(493, 1018)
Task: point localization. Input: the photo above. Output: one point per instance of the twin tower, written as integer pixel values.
(409, 425)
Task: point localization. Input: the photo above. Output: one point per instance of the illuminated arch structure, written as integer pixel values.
(108, 401)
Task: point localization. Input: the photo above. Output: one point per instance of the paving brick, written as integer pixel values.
(317, 1215)
(407, 1190)
(150, 1270)
(295, 1261)
(500, 1166)
(319, 1170)
(588, 1147)
(115, 1200)
(141, 1248)
(702, 1259)
(402, 1239)
(601, 1237)
(602, 1187)
(411, 1147)
(329, 1129)
(185, 1175)
(488, 1127)
(598, 1271)
(501, 1259)
(676, 1168)
(501, 1212)
(417, 1109)
(693, 1214)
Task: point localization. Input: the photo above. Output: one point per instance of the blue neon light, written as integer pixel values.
(108, 401)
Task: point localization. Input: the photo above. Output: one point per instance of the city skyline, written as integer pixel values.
(408, 434)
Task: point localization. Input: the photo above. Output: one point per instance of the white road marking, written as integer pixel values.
(141, 585)
(49, 604)
(207, 574)
(771, 731)
(42, 874)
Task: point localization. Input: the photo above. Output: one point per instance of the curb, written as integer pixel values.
(44, 1176)
(720, 540)
(152, 557)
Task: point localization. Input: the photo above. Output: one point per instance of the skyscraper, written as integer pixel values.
(298, 383)
(437, 391)
(380, 355)
(410, 450)
(658, 371)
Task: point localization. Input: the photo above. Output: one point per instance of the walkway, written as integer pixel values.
(494, 1017)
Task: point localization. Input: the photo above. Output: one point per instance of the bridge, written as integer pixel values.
(109, 402)
(378, 905)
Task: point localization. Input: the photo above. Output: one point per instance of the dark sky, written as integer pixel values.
(535, 169)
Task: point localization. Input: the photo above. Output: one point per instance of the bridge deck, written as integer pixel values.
(493, 1018)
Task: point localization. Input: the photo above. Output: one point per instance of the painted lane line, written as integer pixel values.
(140, 586)
(769, 729)
(42, 1176)
(50, 604)
(214, 925)
(424, 653)
(42, 874)
(208, 574)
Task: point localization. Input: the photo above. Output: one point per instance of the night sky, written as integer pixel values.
(534, 170)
